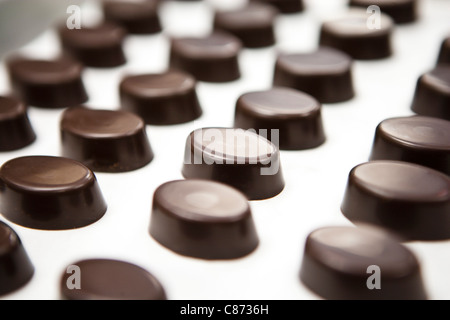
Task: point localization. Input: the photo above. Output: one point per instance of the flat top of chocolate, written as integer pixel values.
(103, 35)
(8, 238)
(278, 101)
(10, 108)
(45, 71)
(234, 145)
(202, 200)
(353, 249)
(419, 131)
(45, 173)
(130, 9)
(354, 23)
(104, 279)
(323, 61)
(402, 181)
(93, 123)
(155, 85)
(250, 16)
(216, 45)
(439, 77)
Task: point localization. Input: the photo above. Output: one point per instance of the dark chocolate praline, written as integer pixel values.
(240, 158)
(16, 269)
(412, 201)
(417, 139)
(203, 219)
(325, 74)
(161, 98)
(49, 193)
(213, 58)
(16, 130)
(354, 35)
(105, 140)
(363, 263)
(293, 115)
(49, 84)
(108, 279)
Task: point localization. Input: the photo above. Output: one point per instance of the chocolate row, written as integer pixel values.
(360, 263)
(372, 263)
(252, 25)
(405, 151)
(170, 97)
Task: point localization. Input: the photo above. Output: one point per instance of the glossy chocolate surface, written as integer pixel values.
(444, 52)
(325, 74)
(432, 95)
(16, 131)
(161, 99)
(337, 261)
(411, 200)
(203, 219)
(401, 11)
(418, 139)
(49, 193)
(106, 279)
(213, 58)
(47, 83)
(352, 35)
(237, 157)
(105, 140)
(16, 268)
(252, 24)
(137, 17)
(295, 114)
(97, 46)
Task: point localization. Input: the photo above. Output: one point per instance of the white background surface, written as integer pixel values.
(315, 179)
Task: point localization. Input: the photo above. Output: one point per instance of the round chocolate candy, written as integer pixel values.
(432, 95)
(284, 6)
(47, 83)
(364, 263)
(16, 268)
(417, 139)
(409, 199)
(105, 140)
(237, 157)
(325, 74)
(358, 36)
(213, 58)
(401, 11)
(203, 219)
(106, 279)
(98, 46)
(296, 116)
(137, 17)
(444, 53)
(15, 128)
(253, 24)
(49, 193)
(161, 99)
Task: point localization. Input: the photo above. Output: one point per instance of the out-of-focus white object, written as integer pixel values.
(23, 20)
